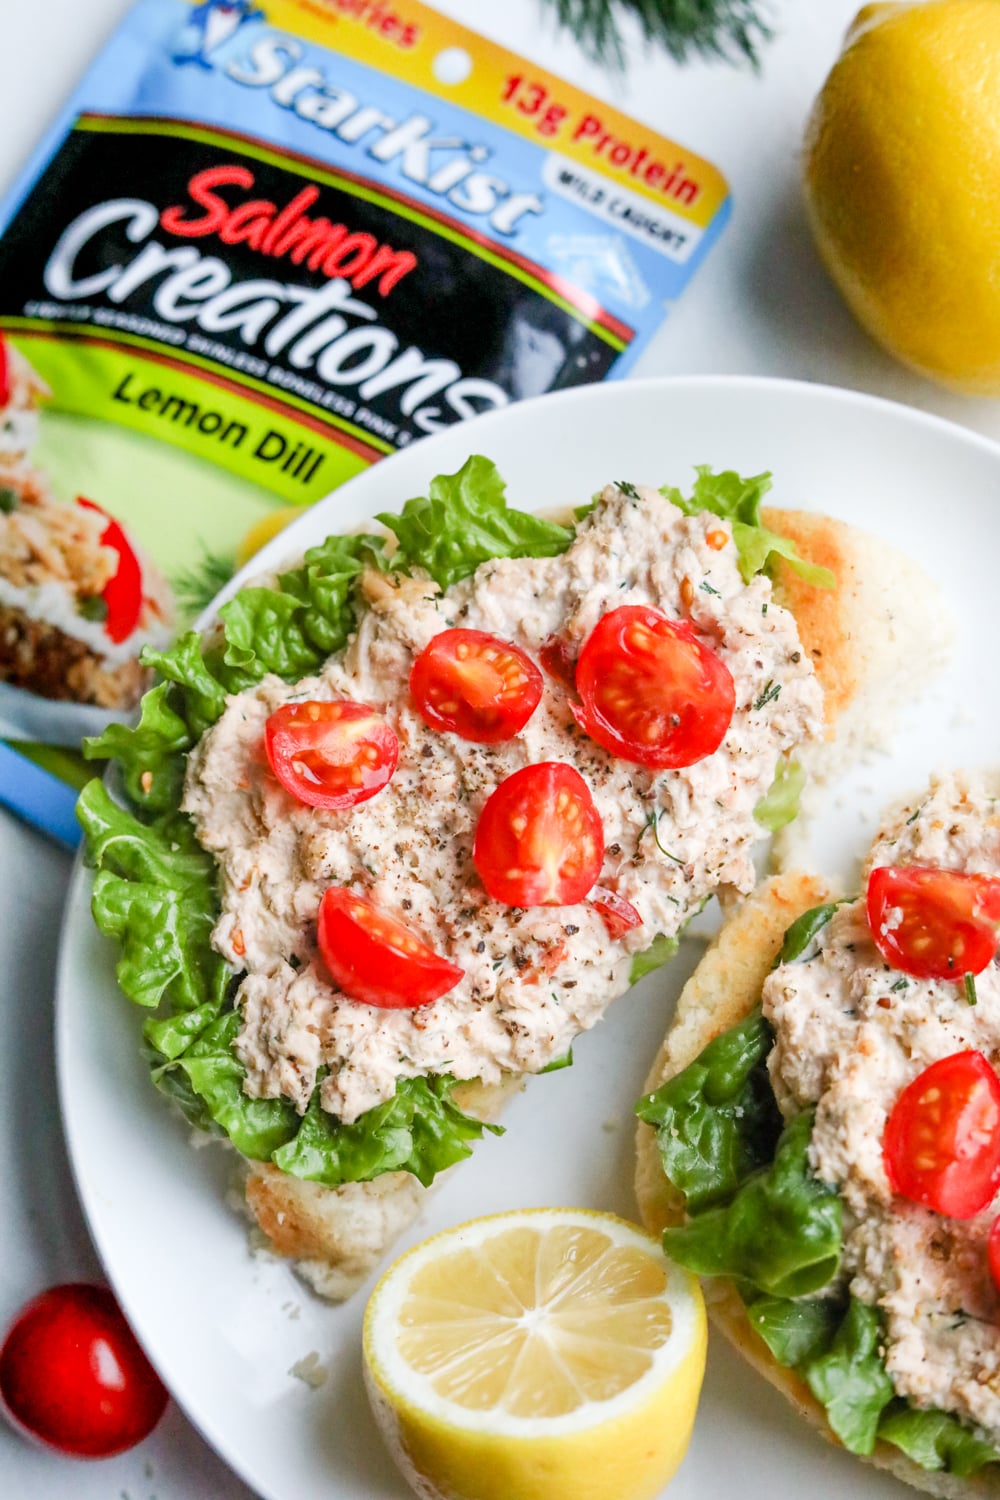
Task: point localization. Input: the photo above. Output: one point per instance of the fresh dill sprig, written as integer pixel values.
(653, 827)
(728, 29)
(196, 587)
(770, 692)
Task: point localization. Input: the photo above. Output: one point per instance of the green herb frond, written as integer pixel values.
(728, 29)
(196, 587)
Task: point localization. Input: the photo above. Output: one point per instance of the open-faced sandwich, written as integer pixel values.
(821, 1140)
(404, 824)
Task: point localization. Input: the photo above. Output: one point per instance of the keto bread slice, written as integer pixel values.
(723, 989)
(872, 638)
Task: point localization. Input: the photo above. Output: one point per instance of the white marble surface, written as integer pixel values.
(761, 305)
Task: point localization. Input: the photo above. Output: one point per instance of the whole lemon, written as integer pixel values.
(902, 178)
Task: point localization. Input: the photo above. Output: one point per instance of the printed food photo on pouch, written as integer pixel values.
(78, 600)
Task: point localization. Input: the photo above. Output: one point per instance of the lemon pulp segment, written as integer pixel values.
(544, 1324)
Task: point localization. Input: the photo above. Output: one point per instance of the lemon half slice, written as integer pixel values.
(547, 1354)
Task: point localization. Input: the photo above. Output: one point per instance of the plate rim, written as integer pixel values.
(279, 550)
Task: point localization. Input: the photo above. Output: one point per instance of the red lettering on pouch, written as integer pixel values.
(590, 132)
(330, 248)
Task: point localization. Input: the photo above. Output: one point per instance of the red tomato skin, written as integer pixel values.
(955, 909)
(332, 739)
(618, 915)
(5, 391)
(73, 1377)
(498, 711)
(950, 1114)
(555, 857)
(558, 660)
(363, 950)
(683, 689)
(993, 1252)
(123, 591)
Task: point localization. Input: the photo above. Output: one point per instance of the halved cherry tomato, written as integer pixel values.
(934, 924)
(619, 916)
(558, 660)
(993, 1252)
(73, 1376)
(539, 841)
(942, 1141)
(651, 691)
(331, 755)
(377, 960)
(4, 372)
(476, 685)
(122, 594)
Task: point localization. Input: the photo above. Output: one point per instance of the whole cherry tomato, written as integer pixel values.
(942, 1141)
(377, 960)
(475, 685)
(331, 755)
(539, 840)
(73, 1376)
(619, 916)
(651, 691)
(933, 924)
(122, 594)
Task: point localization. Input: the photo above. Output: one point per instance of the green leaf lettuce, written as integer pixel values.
(465, 521)
(780, 1232)
(716, 1121)
(738, 501)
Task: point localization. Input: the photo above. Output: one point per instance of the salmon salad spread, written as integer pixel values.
(892, 1055)
(495, 789)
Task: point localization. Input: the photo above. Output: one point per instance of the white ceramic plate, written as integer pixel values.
(225, 1327)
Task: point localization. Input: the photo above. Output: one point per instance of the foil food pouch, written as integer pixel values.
(263, 246)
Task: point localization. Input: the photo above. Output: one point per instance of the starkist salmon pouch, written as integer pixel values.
(263, 246)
